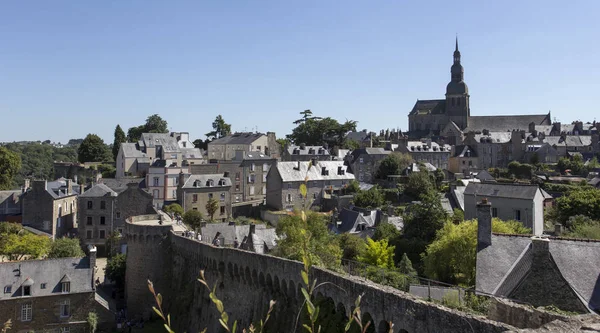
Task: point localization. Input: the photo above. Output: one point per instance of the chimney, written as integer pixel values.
(540, 247)
(298, 166)
(81, 189)
(226, 174)
(484, 224)
(92, 257)
(313, 161)
(531, 127)
(69, 187)
(26, 185)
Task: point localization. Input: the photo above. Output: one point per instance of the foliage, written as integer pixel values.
(588, 229)
(582, 201)
(350, 144)
(457, 216)
(17, 244)
(93, 149)
(119, 138)
(283, 143)
(393, 164)
(10, 164)
(419, 183)
(193, 219)
(202, 144)
(112, 243)
(439, 177)
(521, 170)
(452, 255)
(575, 165)
(115, 269)
(107, 170)
(378, 253)
(372, 198)
(154, 124)
(405, 266)
(220, 129)
(65, 248)
(312, 131)
(352, 246)
(174, 209)
(212, 205)
(92, 320)
(352, 187)
(386, 231)
(322, 248)
(6, 326)
(390, 278)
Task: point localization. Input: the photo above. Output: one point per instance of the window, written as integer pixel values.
(289, 186)
(210, 196)
(361, 160)
(89, 234)
(251, 190)
(26, 290)
(237, 187)
(463, 162)
(156, 194)
(237, 198)
(102, 204)
(222, 196)
(176, 181)
(89, 221)
(26, 311)
(494, 212)
(264, 190)
(194, 197)
(102, 220)
(258, 148)
(518, 215)
(264, 177)
(7, 289)
(66, 287)
(289, 197)
(102, 234)
(118, 215)
(90, 204)
(173, 156)
(65, 308)
(156, 179)
(237, 176)
(222, 210)
(265, 168)
(315, 195)
(252, 166)
(251, 178)
(43, 286)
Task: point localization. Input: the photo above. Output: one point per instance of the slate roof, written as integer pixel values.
(264, 237)
(356, 153)
(308, 150)
(120, 185)
(429, 106)
(419, 146)
(459, 196)
(594, 181)
(49, 271)
(256, 155)
(484, 176)
(358, 136)
(569, 140)
(165, 140)
(289, 173)
(464, 151)
(491, 190)
(350, 218)
(505, 123)
(130, 150)
(238, 139)
(201, 181)
(228, 232)
(414, 167)
(190, 153)
(98, 190)
(495, 137)
(10, 198)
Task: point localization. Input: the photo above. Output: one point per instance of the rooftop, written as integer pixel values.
(207, 181)
(237, 138)
(289, 171)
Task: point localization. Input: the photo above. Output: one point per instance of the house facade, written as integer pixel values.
(162, 181)
(322, 178)
(225, 148)
(364, 162)
(306, 153)
(463, 160)
(195, 191)
(425, 150)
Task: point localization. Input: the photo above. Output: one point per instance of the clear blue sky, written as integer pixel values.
(68, 68)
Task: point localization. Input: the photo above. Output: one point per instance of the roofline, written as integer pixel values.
(587, 240)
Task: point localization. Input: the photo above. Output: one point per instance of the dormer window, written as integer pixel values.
(26, 287)
(66, 287)
(26, 291)
(7, 289)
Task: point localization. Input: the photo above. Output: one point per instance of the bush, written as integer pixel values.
(389, 278)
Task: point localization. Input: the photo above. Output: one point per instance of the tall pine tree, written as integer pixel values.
(119, 138)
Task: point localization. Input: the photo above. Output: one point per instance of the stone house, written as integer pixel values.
(51, 295)
(51, 207)
(323, 178)
(524, 203)
(427, 151)
(303, 152)
(363, 138)
(10, 206)
(162, 180)
(537, 270)
(252, 237)
(463, 160)
(225, 148)
(196, 190)
(364, 162)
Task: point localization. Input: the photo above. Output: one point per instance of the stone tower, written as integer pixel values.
(457, 94)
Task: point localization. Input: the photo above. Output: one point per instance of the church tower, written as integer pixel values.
(457, 94)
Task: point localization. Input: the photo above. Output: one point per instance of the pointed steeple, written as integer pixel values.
(456, 49)
(456, 53)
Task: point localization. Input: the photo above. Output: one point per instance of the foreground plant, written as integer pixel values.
(6, 326)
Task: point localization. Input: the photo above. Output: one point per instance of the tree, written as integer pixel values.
(419, 183)
(372, 198)
(10, 165)
(119, 138)
(115, 269)
(393, 164)
(405, 266)
(352, 187)
(386, 231)
(452, 255)
(313, 131)
(174, 209)
(201, 144)
(193, 219)
(154, 124)
(65, 248)
(212, 205)
(439, 177)
(93, 149)
(457, 216)
(352, 246)
(23, 245)
(378, 253)
(579, 201)
(220, 129)
(112, 243)
(306, 115)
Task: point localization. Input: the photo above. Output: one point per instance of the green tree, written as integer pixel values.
(323, 248)
(93, 149)
(115, 269)
(457, 216)
(24, 245)
(193, 219)
(154, 124)
(579, 201)
(306, 115)
(220, 129)
(439, 177)
(405, 266)
(386, 231)
(65, 248)
(452, 255)
(393, 164)
(352, 246)
(352, 187)
(119, 138)
(174, 209)
(10, 165)
(419, 183)
(201, 144)
(378, 253)
(373, 198)
(112, 243)
(212, 205)
(313, 131)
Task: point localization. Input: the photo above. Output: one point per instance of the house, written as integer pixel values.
(364, 162)
(359, 221)
(51, 295)
(162, 180)
(463, 159)
(259, 240)
(225, 148)
(524, 203)
(252, 237)
(51, 207)
(538, 270)
(321, 178)
(303, 152)
(103, 211)
(195, 191)
(428, 151)
(10, 206)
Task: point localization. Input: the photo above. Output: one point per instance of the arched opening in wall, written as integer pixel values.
(248, 276)
(284, 288)
(366, 318)
(291, 290)
(384, 327)
(402, 331)
(221, 274)
(330, 319)
(269, 282)
(276, 284)
(261, 279)
(341, 309)
(255, 277)
(236, 272)
(230, 270)
(148, 238)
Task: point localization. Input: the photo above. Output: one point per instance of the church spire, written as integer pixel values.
(456, 53)
(456, 49)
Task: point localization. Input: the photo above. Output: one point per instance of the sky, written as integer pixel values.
(69, 68)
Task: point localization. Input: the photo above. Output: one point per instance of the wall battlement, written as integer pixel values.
(247, 281)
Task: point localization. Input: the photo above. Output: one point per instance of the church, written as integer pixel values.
(450, 118)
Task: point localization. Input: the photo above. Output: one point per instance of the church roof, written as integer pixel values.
(505, 123)
(429, 106)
